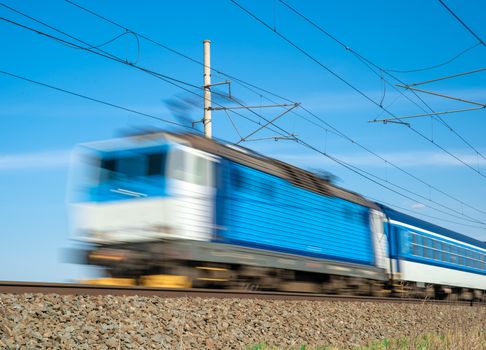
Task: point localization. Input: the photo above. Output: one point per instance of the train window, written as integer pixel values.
(155, 164)
(200, 172)
(420, 244)
(177, 166)
(108, 164)
(437, 254)
(108, 169)
(476, 260)
(428, 249)
(461, 257)
(131, 166)
(443, 252)
(453, 258)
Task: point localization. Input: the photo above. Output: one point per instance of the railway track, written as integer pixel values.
(87, 289)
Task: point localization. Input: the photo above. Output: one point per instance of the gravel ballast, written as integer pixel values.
(115, 322)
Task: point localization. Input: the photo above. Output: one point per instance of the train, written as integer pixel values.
(179, 210)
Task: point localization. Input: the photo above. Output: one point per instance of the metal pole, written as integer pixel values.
(207, 89)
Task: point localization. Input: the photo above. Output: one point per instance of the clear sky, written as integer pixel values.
(40, 127)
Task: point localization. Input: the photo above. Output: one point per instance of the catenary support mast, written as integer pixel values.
(207, 89)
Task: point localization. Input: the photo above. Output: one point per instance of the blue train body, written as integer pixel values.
(264, 211)
(171, 187)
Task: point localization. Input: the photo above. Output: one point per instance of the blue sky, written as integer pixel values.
(40, 127)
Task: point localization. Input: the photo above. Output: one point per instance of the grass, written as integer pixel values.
(452, 340)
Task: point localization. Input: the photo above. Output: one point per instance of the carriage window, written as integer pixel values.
(420, 244)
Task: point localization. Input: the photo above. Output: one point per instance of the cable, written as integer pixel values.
(157, 75)
(462, 22)
(165, 47)
(354, 87)
(370, 176)
(102, 53)
(243, 83)
(436, 65)
(246, 84)
(94, 99)
(337, 132)
(371, 64)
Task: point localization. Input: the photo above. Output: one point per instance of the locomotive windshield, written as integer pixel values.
(132, 166)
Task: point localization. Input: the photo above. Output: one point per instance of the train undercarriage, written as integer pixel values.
(183, 264)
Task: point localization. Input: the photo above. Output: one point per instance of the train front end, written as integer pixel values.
(133, 194)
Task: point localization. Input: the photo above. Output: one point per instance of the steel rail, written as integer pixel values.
(13, 287)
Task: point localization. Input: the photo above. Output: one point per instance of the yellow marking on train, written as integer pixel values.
(108, 281)
(106, 257)
(212, 279)
(166, 281)
(211, 268)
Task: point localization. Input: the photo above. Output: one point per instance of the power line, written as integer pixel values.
(101, 53)
(462, 22)
(173, 81)
(448, 77)
(286, 133)
(355, 88)
(165, 47)
(452, 59)
(370, 66)
(98, 101)
(94, 99)
(244, 83)
(370, 176)
(337, 132)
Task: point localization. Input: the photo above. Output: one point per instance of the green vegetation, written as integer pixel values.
(453, 340)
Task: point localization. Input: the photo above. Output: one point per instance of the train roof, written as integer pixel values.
(291, 173)
(407, 219)
(241, 155)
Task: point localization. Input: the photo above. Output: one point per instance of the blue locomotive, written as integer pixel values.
(180, 210)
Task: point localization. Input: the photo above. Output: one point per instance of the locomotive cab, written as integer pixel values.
(139, 190)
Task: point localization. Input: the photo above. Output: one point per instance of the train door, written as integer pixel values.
(193, 193)
(380, 241)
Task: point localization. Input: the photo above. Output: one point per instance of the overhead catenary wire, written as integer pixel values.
(372, 65)
(462, 22)
(176, 52)
(173, 81)
(252, 86)
(114, 105)
(285, 133)
(360, 92)
(423, 69)
(86, 97)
